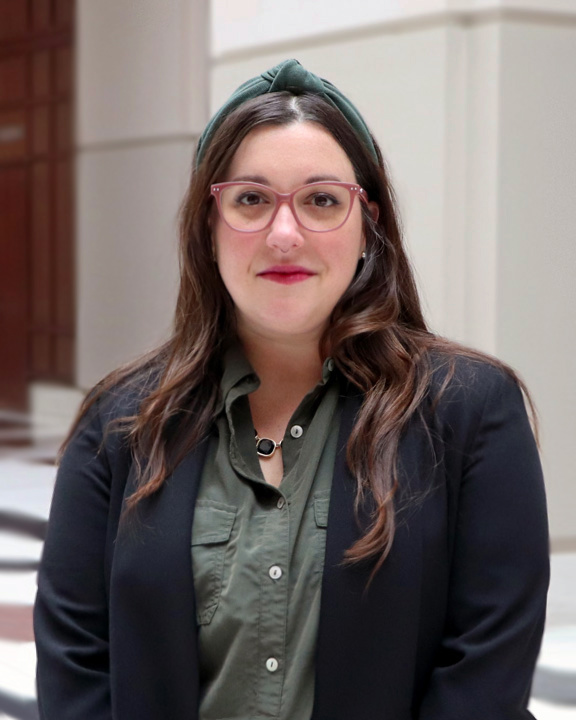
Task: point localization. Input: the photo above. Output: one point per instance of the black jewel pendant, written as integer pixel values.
(266, 447)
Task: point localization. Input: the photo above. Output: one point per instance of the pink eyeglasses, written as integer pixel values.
(319, 206)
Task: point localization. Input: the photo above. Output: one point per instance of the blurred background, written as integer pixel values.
(101, 104)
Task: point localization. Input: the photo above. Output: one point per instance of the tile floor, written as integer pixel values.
(26, 480)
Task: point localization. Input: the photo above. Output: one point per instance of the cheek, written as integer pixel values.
(348, 252)
(230, 254)
(224, 248)
(234, 260)
(225, 263)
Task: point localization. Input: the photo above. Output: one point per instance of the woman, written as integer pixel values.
(304, 505)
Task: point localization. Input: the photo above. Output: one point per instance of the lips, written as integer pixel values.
(286, 274)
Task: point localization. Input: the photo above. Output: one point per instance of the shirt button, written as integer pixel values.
(275, 572)
(271, 664)
(280, 503)
(296, 431)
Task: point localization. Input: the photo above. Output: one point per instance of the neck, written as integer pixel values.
(288, 363)
(288, 369)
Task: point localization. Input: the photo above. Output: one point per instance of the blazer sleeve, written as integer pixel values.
(500, 565)
(71, 609)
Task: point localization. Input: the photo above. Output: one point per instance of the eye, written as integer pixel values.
(322, 200)
(250, 198)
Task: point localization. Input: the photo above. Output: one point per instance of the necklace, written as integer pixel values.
(265, 447)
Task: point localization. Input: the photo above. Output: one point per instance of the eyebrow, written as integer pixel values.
(264, 181)
(323, 178)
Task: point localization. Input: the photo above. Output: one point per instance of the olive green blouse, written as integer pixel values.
(258, 554)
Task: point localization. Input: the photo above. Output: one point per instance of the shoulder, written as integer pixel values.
(102, 425)
(469, 390)
(469, 377)
(112, 400)
(122, 400)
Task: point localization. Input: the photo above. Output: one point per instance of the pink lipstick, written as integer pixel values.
(286, 274)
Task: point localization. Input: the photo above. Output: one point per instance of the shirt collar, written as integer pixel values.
(237, 371)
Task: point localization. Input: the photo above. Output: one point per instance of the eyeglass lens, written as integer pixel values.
(318, 207)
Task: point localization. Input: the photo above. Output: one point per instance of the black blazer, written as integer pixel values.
(449, 629)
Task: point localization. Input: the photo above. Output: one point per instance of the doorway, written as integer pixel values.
(37, 314)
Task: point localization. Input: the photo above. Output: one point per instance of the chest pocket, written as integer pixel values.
(211, 530)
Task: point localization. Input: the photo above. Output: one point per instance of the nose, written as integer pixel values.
(284, 233)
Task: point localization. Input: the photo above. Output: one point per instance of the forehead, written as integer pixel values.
(289, 154)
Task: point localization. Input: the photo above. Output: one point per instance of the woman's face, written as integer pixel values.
(285, 280)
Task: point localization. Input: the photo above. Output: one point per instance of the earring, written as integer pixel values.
(363, 256)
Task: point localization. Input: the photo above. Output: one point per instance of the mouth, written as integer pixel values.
(286, 274)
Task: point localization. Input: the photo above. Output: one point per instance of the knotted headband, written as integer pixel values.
(289, 76)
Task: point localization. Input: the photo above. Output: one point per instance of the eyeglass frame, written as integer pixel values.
(354, 189)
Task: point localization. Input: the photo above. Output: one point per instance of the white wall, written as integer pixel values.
(141, 69)
(536, 296)
(142, 102)
(248, 24)
(480, 179)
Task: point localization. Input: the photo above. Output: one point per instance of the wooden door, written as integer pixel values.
(36, 196)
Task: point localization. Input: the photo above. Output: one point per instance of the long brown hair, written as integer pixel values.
(377, 335)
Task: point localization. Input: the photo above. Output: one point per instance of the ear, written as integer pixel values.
(374, 211)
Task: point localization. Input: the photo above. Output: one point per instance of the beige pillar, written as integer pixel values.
(142, 102)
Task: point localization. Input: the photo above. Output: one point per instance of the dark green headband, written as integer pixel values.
(292, 77)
